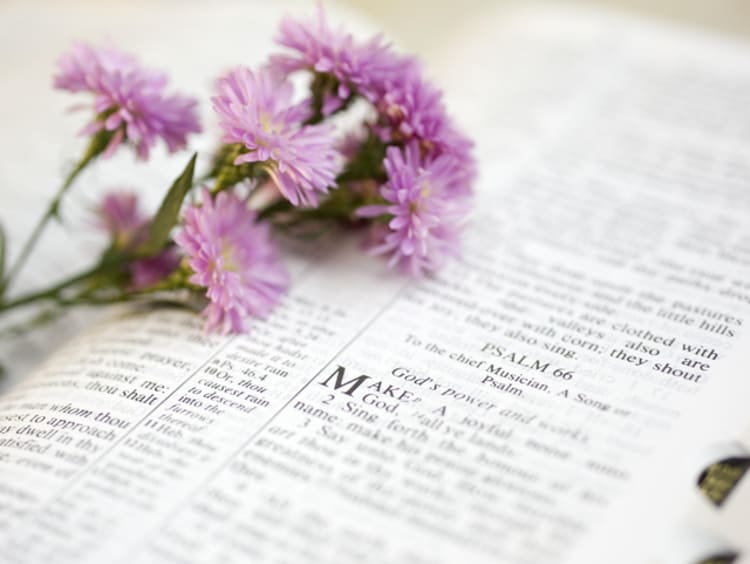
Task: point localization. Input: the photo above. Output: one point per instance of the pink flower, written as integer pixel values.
(233, 257)
(409, 108)
(453, 142)
(149, 271)
(128, 99)
(424, 214)
(412, 110)
(128, 227)
(256, 110)
(120, 217)
(359, 67)
(81, 69)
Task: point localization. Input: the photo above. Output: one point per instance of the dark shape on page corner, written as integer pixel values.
(722, 558)
(719, 479)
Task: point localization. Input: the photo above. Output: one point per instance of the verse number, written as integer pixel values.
(250, 373)
(564, 374)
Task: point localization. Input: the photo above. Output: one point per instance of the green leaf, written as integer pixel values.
(166, 218)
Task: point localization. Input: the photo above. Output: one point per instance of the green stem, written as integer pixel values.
(52, 210)
(96, 146)
(86, 299)
(51, 293)
(226, 174)
(42, 317)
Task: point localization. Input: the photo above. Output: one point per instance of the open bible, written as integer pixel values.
(556, 392)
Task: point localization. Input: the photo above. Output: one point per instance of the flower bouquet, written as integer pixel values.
(364, 144)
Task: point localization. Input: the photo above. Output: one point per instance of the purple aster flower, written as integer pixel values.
(452, 141)
(256, 110)
(120, 217)
(412, 109)
(234, 258)
(425, 215)
(80, 69)
(128, 99)
(146, 272)
(359, 67)
(128, 227)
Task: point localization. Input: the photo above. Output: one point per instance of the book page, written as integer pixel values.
(497, 412)
(680, 133)
(692, 500)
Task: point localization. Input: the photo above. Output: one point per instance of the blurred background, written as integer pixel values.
(422, 24)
